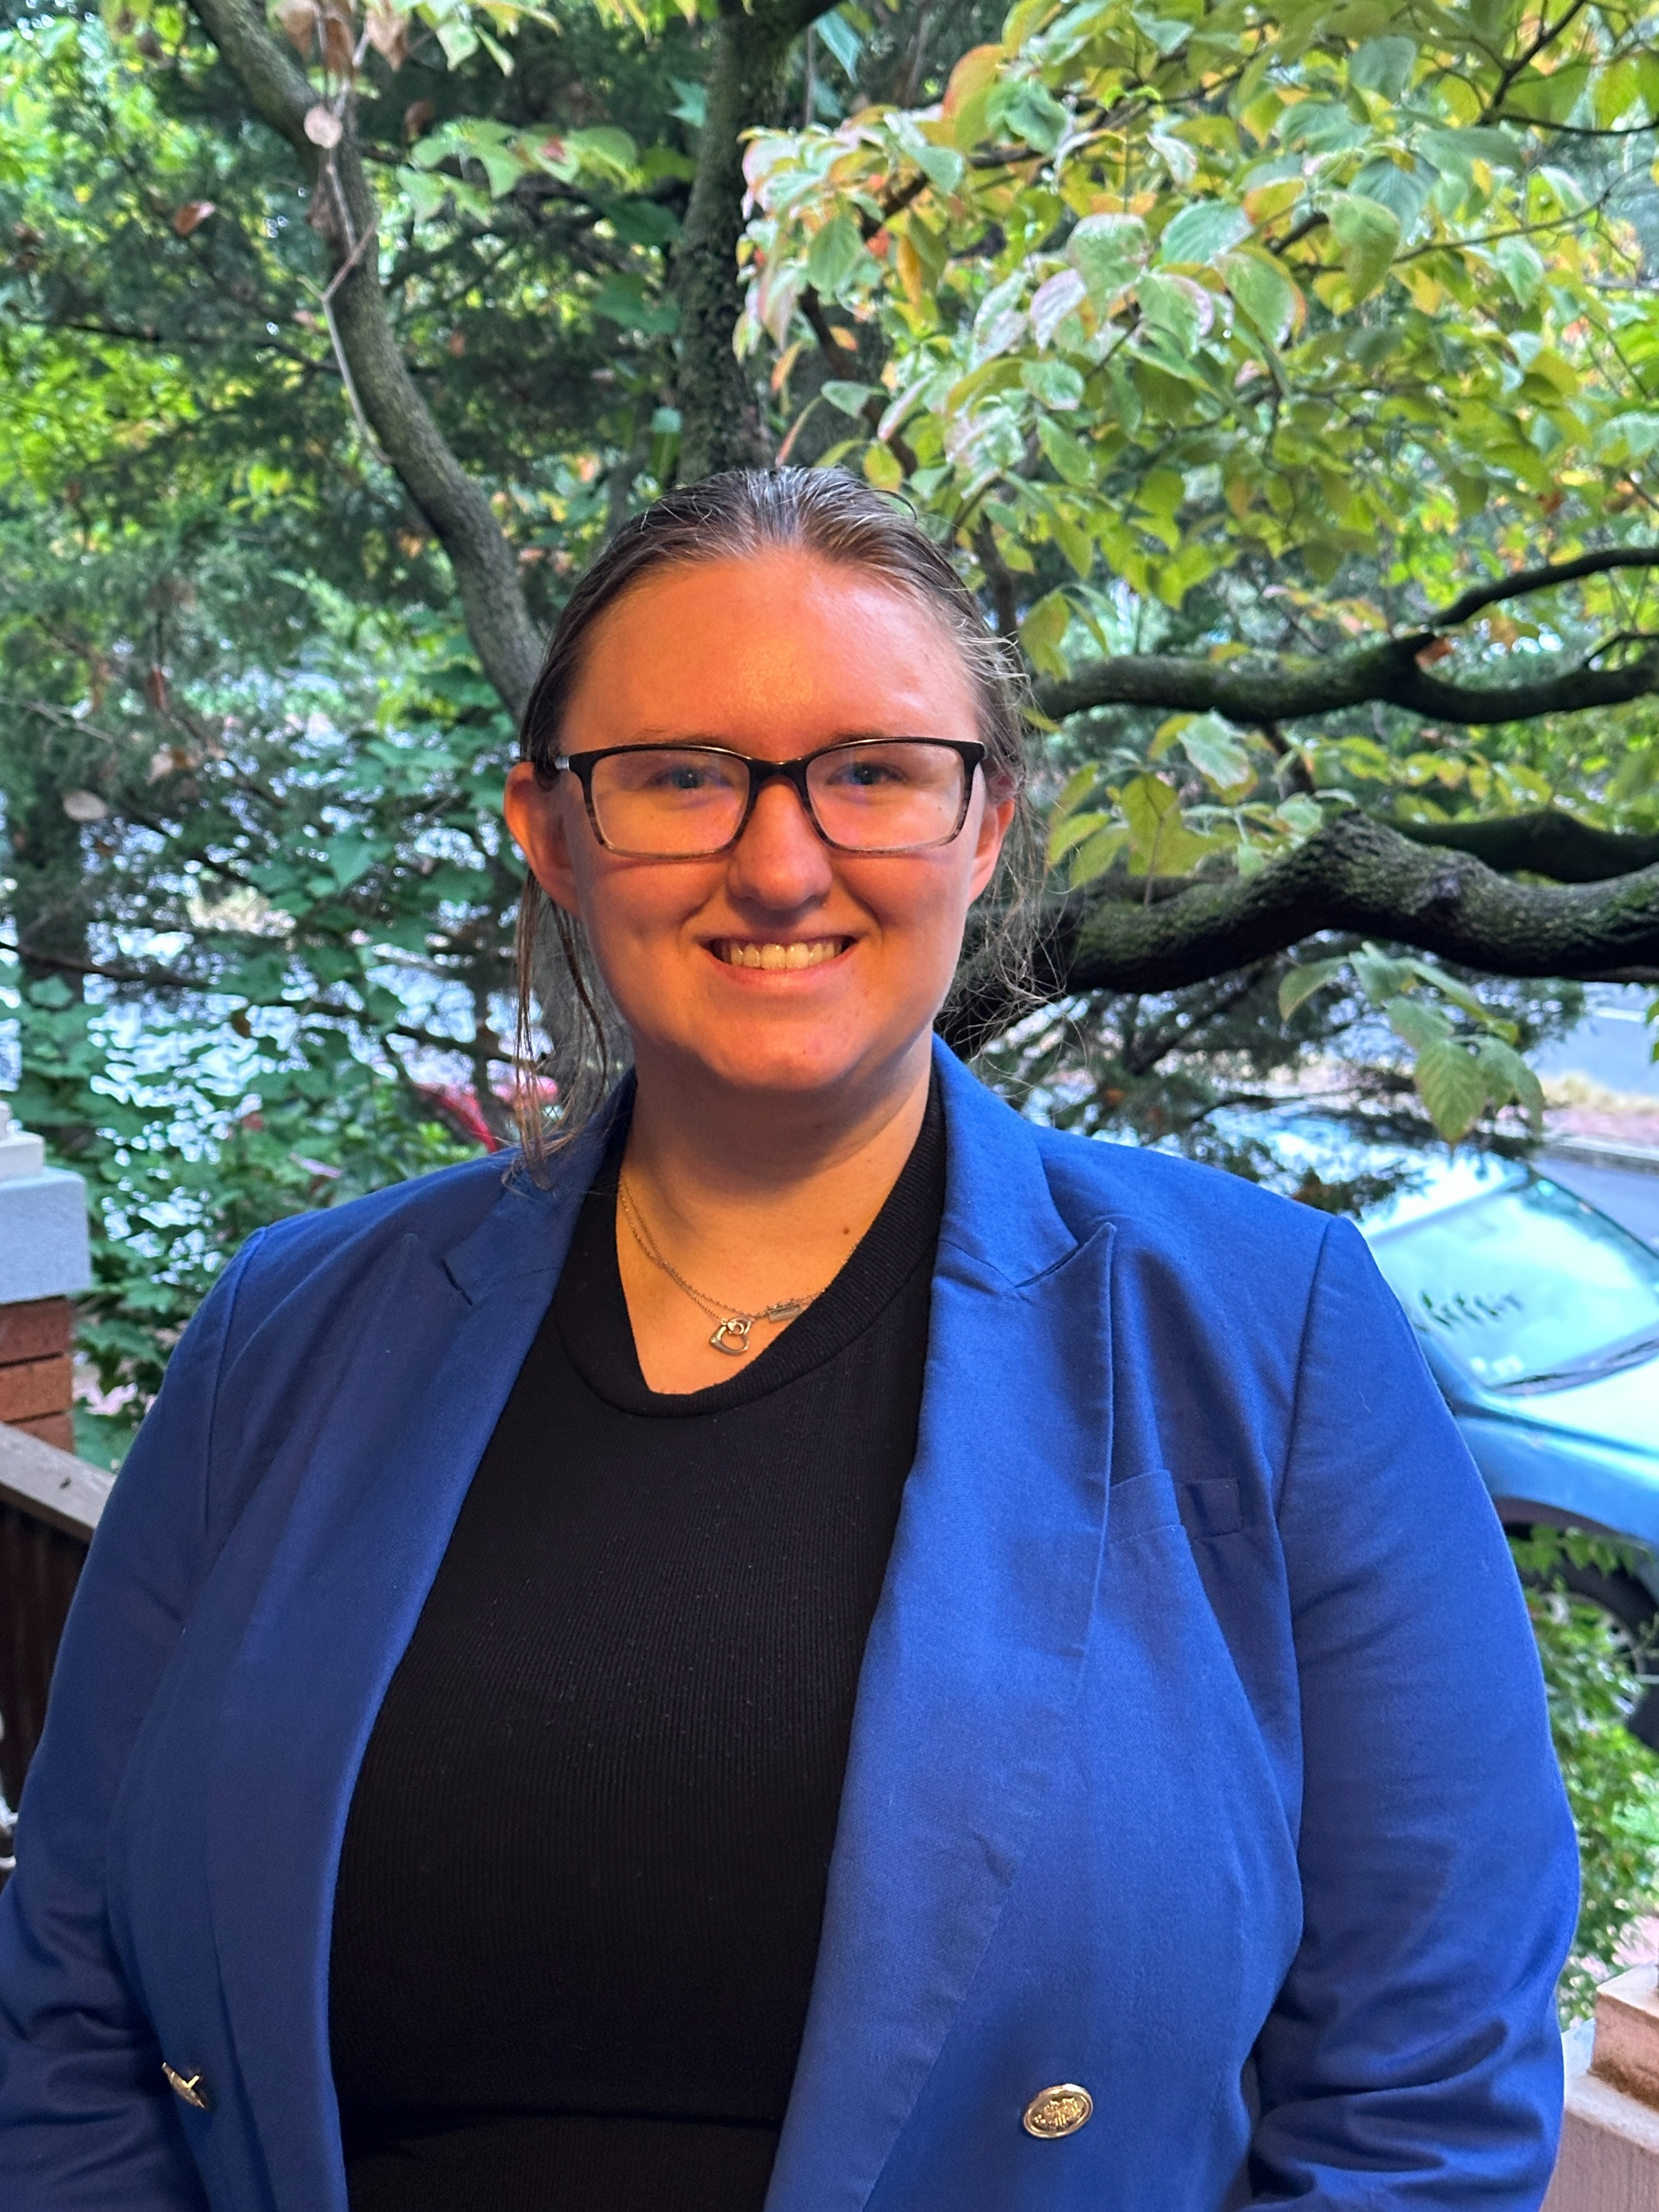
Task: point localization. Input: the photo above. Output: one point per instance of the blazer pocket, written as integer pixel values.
(1208, 1507)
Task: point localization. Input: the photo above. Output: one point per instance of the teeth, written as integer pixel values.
(811, 952)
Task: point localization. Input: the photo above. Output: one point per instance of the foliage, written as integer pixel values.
(248, 770)
(1210, 1070)
(260, 898)
(187, 1148)
(268, 913)
(1612, 1780)
(1265, 327)
(1458, 1076)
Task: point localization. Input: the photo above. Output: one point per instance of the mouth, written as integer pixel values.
(796, 953)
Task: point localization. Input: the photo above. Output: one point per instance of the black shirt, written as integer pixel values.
(583, 1876)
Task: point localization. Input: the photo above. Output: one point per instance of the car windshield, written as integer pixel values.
(1528, 1285)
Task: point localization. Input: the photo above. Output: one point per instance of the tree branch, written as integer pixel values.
(486, 571)
(1356, 875)
(1257, 689)
(1544, 843)
(1527, 581)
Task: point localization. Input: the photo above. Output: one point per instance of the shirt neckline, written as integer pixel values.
(590, 1309)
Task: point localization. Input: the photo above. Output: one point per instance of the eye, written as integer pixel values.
(867, 772)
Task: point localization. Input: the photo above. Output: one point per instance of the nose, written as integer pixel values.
(779, 861)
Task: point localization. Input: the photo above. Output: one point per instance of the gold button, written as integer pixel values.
(192, 2087)
(1060, 2111)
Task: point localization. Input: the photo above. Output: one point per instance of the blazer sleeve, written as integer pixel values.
(1413, 2057)
(86, 2122)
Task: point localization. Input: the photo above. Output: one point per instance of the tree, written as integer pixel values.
(1194, 306)
(1277, 372)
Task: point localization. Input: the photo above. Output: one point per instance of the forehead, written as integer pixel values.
(781, 651)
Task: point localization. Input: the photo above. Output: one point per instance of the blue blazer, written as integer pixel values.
(1199, 1754)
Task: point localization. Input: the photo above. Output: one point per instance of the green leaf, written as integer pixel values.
(692, 106)
(836, 252)
(1072, 458)
(1073, 542)
(1169, 33)
(842, 41)
(1077, 787)
(1097, 854)
(1055, 298)
(1177, 306)
(1417, 1022)
(1055, 383)
(1508, 1076)
(1298, 984)
(1380, 978)
(1263, 290)
(1109, 252)
(1066, 835)
(458, 39)
(1044, 632)
(1449, 986)
(1217, 751)
(625, 299)
(1384, 66)
(1369, 235)
(605, 148)
(1203, 232)
(1522, 266)
(1160, 843)
(1027, 110)
(1452, 1085)
(849, 397)
(425, 194)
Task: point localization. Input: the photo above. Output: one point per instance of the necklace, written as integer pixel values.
(731, 1334)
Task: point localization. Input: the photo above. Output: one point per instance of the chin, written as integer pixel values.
(763, 1063)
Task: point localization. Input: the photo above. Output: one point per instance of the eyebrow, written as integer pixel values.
(727, 746)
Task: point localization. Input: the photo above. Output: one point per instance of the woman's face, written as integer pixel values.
(773, 657)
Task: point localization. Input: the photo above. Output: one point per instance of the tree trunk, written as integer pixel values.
(498, 621)
(722, 425)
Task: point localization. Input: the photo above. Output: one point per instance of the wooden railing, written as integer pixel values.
(50, 1502)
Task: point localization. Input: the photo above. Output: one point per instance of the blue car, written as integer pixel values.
(1539, 1317)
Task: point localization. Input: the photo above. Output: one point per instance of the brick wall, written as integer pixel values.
(37, 1373)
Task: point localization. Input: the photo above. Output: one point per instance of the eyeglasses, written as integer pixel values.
(693, 802)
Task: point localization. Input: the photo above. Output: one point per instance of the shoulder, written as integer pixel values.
(1156, 1198)
(308, 1256)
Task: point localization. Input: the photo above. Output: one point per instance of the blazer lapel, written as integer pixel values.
(975, 1654)
(360, 1528)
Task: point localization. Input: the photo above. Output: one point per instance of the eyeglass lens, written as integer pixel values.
(669, 802)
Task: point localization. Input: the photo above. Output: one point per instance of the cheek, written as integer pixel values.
(624, 906)
(921, 905)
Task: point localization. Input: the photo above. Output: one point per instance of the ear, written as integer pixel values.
(539, 822)
(995, 816)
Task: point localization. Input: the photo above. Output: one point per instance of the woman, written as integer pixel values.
(823, 1646)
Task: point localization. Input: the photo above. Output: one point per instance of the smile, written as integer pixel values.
(801, 952)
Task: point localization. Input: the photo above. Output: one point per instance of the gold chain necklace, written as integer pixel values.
(731, 1335)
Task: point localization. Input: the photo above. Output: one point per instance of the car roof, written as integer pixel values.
(1438, 1179)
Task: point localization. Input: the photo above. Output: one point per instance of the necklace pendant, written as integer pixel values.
(733, 1334)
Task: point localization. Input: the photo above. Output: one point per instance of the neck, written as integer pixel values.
(775, 1185)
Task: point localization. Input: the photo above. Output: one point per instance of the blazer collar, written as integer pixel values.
(975, 1654)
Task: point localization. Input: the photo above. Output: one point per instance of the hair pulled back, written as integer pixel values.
(740, 513)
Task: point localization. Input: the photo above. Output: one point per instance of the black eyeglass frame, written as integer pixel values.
(762, 772)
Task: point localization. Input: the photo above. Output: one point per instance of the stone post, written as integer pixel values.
(44, 1260)
(1609, 2159)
